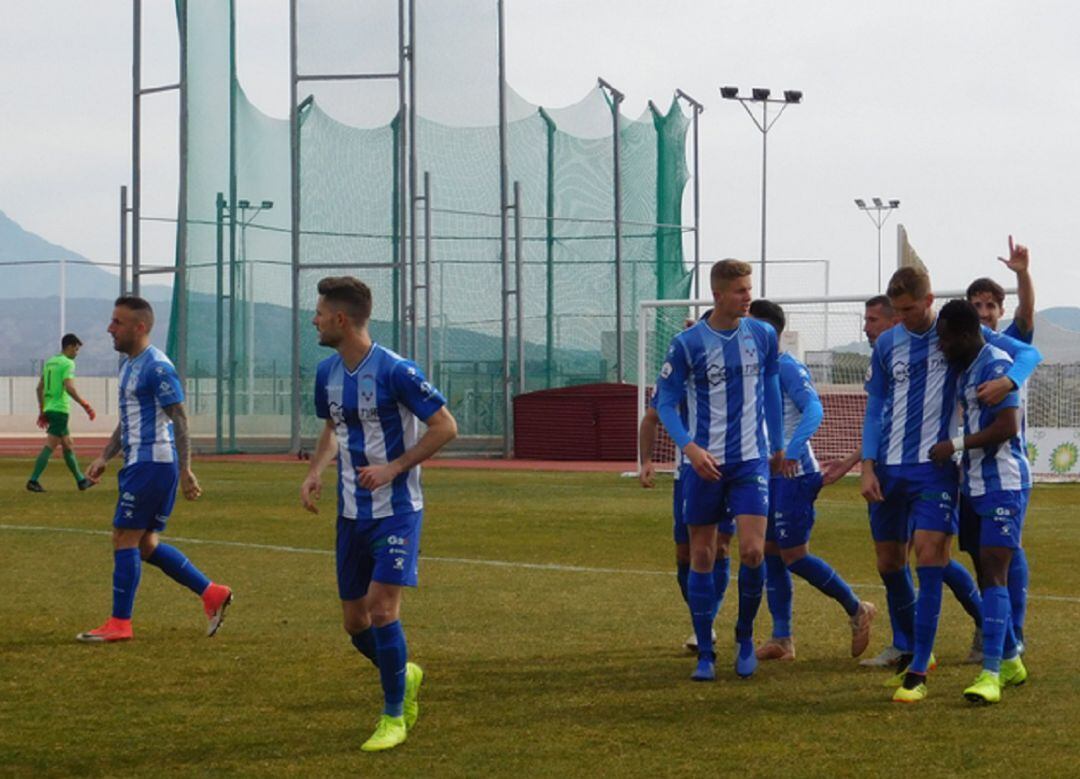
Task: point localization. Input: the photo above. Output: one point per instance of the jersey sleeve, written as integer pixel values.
(995, 370)
(877, 378)
(1014, 332)
(67, 371)
(797, 384)
(167, 388)
(671, 389)
(322, 402)
(772, 350)
(1025, 358)
(414, 391)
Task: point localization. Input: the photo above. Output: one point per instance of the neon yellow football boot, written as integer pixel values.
(388, 734)
(1013, 672)
(985, 689)
(414, 677)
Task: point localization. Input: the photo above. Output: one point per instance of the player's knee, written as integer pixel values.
(147, 547)
(702, 559)
(356, 623)
(752, 557)
(383, 613)
(723, 546)
(793, 555)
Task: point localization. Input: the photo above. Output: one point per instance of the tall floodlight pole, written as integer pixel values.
(616, 97)
(504, 238)
(249, 291)
(696, 108)
(879, 214)
(760, 95)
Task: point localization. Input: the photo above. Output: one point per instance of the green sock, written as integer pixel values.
(73, 465)
(41, 462)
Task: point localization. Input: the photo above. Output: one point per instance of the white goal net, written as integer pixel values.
(826, 333)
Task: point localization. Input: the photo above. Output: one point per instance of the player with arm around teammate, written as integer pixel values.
(792, 493)
(725, 367)
(988, 298)
(911, 405)
(997, 483)
(647, 432)
(56, 385)
(374, 401)
(154, 438)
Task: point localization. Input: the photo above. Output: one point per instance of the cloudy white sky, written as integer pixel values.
(965, 111)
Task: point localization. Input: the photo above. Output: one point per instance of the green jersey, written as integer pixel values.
(55, 372)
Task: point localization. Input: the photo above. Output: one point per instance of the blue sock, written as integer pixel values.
(820, 574)
(995, 603)
(1010, 649)
(721, 573)
(1018, 584)
(751, 583)
(701, 598)
(178, 568)
(778, 595)
(365, 642)
(927, 611)
(682, 570)
(900, 596)
(965, 589)
(392, 653)
(125, 581)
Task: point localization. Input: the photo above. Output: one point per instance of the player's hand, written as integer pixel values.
(834, 471)
(311, 491)
(789, 469)
(89, 411)
(776, 462)
(96, 470)
(703, 463)
(374, 476)
(942, 452)
(189, 484)
(1018, 259)
(42, 420)
(647, 475)
(871, 488)
(992, 392)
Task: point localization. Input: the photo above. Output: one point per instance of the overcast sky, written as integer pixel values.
(967, 112)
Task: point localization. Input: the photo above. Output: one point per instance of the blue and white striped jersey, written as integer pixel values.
(1002, 466)
(918, 386)
(797, 388)
(148, 383)
(722, 375)
(376, 409)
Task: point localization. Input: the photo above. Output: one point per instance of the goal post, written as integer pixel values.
(826, 333)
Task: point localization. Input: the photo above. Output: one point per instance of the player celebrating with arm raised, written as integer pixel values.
(997, 482)
(791, 511)
(373, 401)
(725, 367)
(153, 435)
(911, 405)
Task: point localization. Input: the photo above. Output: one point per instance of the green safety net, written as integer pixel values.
(239, 283)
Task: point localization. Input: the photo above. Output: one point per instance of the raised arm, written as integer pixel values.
(1018, 262)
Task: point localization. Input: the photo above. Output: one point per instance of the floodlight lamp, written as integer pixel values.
(243, 204)
(860, 202)
(729, 93)
(760, 94)
(267, 204)
(877, 202)
(894, 204)
(792, 96)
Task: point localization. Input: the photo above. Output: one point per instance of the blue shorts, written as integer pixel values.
(743, 488)
(385, 550)
(1001, 517)
(147, 496)
(791, 509)
(917, 497)
(967, 536)
(679, 531)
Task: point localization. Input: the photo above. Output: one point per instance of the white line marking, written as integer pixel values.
(454, 560)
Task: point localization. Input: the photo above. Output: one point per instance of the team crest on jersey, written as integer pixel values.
(869, 374)
(165, 388)
(999, 369)
(367, 388)
(666, 370)
(901, 371)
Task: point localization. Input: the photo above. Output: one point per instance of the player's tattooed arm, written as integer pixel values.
(112, 448)
(188, 483)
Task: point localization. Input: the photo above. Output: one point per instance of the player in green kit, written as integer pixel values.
(56, 384)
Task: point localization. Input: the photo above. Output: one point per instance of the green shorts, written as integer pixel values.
(58, 423)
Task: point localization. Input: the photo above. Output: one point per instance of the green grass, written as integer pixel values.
(529, 672)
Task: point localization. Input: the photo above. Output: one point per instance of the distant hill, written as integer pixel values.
(38, 274)
(1067, 317)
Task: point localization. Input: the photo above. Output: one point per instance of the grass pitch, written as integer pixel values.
(530, 670)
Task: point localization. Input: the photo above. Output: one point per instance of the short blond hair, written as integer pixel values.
(728, 270)
(911, 281)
